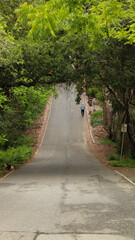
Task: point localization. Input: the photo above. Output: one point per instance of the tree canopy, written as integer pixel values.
(89, 43)
(101, 19)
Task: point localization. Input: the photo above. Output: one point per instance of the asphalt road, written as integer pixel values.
(65, 193)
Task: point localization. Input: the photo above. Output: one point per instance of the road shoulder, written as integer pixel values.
(100, 151)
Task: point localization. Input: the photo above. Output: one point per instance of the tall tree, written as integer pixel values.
(108, 31)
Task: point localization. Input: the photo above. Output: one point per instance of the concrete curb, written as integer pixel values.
(92, 138)
(122, 175)
(50, 107)
(88, 116)
(6, 175)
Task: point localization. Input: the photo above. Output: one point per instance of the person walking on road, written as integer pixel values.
(82, 109)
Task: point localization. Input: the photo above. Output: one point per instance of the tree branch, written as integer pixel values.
(116, 96)
(131, 96)
(112, 90)
(26, 84)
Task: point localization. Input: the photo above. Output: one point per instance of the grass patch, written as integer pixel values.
(97, 118)
(108, 141)
(113, 157)
(114, 160)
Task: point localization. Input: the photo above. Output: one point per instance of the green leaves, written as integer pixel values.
(42, 19)
(116, 19)
(77, 41)
(31, 101)
(100, 19)
(3, 98)
(3, 140)
(14, 156)
(10, 51)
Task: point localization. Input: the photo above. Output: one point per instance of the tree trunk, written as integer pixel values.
(105, 113)
(131, 129)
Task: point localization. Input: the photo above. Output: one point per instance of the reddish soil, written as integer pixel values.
(98, 149)
(101, 151)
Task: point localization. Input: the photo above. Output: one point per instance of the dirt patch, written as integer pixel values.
(101, 151)
(99, 133)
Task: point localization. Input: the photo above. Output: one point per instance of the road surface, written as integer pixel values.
(65, 193)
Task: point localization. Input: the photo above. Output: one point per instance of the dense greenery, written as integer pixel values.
(14, 157)
(24, 90)
(89, 43)
(21, 108)
(97, 118)
(114, 160)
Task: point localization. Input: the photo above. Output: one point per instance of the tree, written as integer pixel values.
(90, 42)
(20, 103)
(43, 19)
(114, 63)
(7, 10)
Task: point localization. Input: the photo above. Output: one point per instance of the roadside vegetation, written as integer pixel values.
(17, 116)
(116, 161)
(108, 141)
(42, 43)
(96, 118)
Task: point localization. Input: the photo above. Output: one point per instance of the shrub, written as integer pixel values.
(97, 118)
(14, 156)
(2, 163)
(92, 91)
(23, 107)
(3, 140)
(95, 93)
(130, 163)
(17, 156)
(110, 142)
(24, 140)
(125, 162)
(113, 156)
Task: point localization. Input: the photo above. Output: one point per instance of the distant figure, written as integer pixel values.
(82, 109)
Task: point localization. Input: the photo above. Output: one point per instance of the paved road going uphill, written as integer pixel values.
(65, 193)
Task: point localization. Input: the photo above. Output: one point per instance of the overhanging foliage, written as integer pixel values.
(90, 43)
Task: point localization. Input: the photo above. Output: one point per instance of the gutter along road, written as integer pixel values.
(65, 193)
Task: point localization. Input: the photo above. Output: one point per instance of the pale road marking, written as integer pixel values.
(6, 175)
(81, 237)
(92, 138)
(125, 177)
(46, 125)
